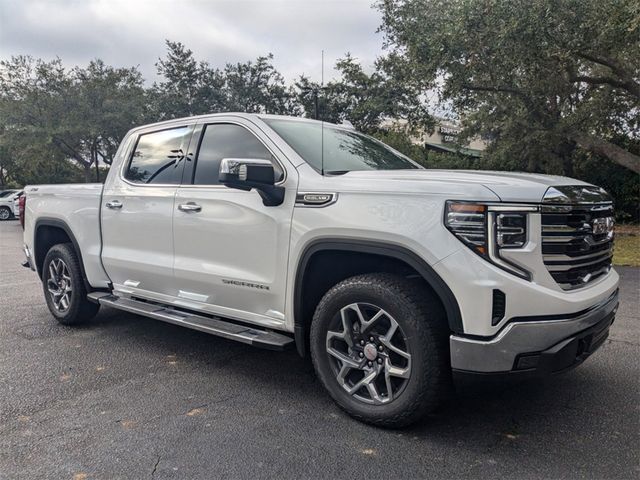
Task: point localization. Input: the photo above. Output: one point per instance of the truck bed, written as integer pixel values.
(77, 206)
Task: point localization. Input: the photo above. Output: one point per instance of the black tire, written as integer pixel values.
(422, 323)
(78, 308)
(5, 213)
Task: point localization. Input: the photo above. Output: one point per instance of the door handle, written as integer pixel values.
(113, 204)
(189, 207)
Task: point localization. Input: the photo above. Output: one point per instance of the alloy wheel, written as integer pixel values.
(59, 285)
(369, 353)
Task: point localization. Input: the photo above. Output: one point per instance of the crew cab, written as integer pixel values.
(281, 232)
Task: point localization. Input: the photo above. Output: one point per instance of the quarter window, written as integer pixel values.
(225, 140)
(158, 157)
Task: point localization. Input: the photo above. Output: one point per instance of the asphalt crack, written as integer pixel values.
(155, 467)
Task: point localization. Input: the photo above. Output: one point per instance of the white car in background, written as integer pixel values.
(8, 200)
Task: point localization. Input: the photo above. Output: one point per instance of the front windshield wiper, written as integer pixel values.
(336, 172)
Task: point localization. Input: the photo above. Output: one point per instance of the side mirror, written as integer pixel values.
(249, 173)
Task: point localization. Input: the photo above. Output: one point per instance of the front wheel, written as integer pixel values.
(64, 287)
(379, 346)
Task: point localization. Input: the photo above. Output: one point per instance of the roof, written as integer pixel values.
(471, 152)
(249, 116)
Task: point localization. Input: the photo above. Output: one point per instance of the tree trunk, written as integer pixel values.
(565, 153)
(607, 149)
(87, 172)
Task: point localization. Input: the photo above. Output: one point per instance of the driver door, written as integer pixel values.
(231, 250)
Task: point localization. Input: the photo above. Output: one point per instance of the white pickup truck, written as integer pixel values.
(278, 231)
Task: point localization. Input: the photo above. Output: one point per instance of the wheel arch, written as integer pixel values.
(53, 231)
(395, 253)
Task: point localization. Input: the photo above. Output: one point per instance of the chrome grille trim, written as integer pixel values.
(559, 267)
(573, 253)
(567, 258)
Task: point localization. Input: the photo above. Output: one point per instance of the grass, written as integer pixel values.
(627, 248)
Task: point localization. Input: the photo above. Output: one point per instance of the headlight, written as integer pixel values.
(511, 230)
(490, 228)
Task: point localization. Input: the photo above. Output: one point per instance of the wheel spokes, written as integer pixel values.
(367, 344)
(64, 301)
(365, 381)
(394, 371)
(53, 275)
(345, 359)
(59, 284)
(364, 323)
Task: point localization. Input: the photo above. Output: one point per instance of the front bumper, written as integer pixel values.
(540, 345)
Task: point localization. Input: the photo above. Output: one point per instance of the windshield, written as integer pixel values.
(6, 193)
(344, 150)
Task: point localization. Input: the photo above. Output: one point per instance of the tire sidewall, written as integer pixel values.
(412, 326)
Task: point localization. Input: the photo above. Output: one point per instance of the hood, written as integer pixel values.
(508, 186)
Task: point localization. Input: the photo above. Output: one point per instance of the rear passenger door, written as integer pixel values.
(231, 251)
(137, 211)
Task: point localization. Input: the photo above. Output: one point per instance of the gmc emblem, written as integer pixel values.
(600, 226)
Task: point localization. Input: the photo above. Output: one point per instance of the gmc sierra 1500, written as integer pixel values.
(277, 231)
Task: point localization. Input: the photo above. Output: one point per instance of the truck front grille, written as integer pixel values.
(577, 242)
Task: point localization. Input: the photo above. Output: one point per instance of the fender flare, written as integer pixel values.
(61, 224)
(391, 250)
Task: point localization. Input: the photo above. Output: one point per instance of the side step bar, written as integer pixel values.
(213, 325)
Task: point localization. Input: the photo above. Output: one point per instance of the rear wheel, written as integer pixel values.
(5, 213)
(64, 287)
(379, 346)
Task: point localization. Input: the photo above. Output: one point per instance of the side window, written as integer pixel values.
(225, 140)
(158, 157)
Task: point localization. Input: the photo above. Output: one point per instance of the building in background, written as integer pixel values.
(445, 138)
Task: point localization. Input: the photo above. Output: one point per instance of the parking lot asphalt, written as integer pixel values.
(129, 397)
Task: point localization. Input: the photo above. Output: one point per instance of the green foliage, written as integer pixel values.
(616, 180)
(542, 78)
(34, 164)
(78, 114)
(402, 142)
(191, 88)
(257, 87)
(363, 99)
(188, 88)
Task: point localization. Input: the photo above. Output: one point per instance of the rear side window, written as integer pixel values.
(158, 157)
(225, 140)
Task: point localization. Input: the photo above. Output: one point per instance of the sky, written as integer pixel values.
(132, 33)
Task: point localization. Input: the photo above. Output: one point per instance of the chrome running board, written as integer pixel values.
(213, 325)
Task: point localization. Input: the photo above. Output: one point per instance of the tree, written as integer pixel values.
(189, 87)
(543, 78)
(365, 100)
(257, 87)
(108, 102)
(81, 113)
